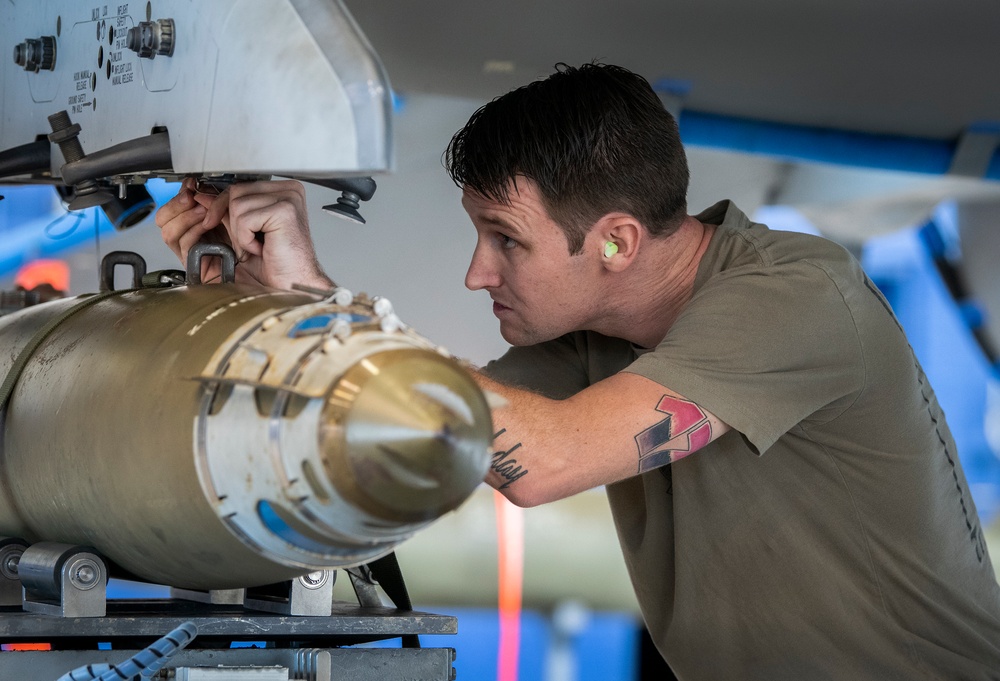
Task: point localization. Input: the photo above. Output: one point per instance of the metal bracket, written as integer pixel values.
(308, 596)
(200, 251)
(115, 258)
(63, 580)
(11, 549)
(214, 597)
(364, 586)
(164, 278)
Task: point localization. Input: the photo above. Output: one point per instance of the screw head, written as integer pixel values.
(314, 580)
(84, 574)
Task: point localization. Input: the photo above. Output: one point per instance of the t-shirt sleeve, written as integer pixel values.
(554, 369)
(764, 349)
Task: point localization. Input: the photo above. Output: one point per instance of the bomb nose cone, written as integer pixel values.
(407, 435)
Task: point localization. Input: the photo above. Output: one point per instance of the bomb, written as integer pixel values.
(226, 436)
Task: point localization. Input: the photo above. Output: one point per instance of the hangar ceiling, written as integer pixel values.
(906, 67)
(917, 70)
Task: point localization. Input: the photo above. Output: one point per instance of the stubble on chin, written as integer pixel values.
(523, 336)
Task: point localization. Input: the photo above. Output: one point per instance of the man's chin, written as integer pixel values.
(523, 337)
(512, 336)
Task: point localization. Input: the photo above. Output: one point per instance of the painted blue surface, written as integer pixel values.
(605, 648)
(34, 224)
(276, 524)
(824, 145)
(118, 588)
(937, 327)
(320, 323)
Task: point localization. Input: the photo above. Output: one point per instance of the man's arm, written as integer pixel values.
(619, 427)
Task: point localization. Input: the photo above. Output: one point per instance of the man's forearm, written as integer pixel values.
(529, 463)
(621, 426)
(509, 466)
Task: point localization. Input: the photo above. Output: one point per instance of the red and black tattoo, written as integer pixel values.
(685, 430)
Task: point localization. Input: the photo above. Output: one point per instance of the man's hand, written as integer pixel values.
(265, 223)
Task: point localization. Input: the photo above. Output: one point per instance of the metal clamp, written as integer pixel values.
(199, 251)
(310, 595)
(115, 258)
(212, 597)
(164, 278)
(365, 586)
(63, 580)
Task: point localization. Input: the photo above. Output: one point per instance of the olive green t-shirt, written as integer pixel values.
(831, 534)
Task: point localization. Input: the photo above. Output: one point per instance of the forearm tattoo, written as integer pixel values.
(506, 466)
(685, 429)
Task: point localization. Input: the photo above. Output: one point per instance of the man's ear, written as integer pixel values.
(619, 236)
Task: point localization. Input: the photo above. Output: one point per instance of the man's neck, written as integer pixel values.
(658, 285)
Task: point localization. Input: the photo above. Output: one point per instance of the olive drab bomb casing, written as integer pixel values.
(225, 436)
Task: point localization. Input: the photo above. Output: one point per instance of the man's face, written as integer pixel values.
(522, 259)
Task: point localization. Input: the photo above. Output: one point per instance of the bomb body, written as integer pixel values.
(225, 436)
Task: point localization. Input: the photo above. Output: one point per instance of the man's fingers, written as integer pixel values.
(184, 201)
(189, 238)
(240, 216)
(254, 223)
(254, 215)
(217, 209)
(270, 187)
(204, 200)
(181, 225)
(285, 206)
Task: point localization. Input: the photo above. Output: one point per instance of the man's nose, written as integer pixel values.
(481, 274)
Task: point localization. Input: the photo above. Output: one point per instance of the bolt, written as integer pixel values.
(84, 574)
(314, 580)
(65, 133)
(381, 307)
(341, 329)
(390, 323)
(343, 297)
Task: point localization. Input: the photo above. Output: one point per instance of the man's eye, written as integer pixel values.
(506, 242)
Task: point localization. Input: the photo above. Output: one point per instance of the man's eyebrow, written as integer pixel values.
(500, 222)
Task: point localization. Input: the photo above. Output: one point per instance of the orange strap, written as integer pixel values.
(510, 549)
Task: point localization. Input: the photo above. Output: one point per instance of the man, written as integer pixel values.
(814, 521)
